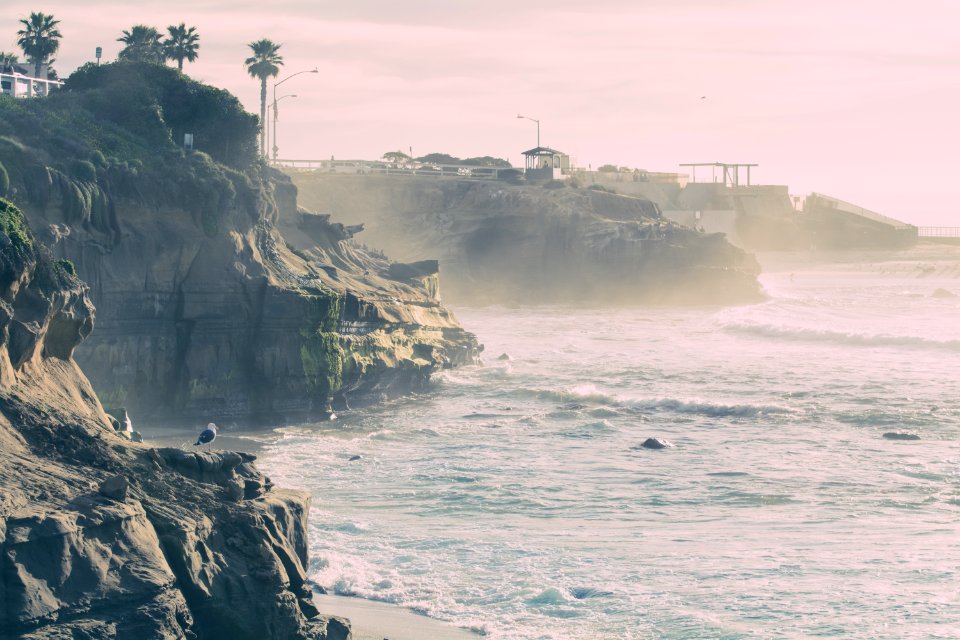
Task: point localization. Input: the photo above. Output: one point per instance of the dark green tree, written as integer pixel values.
(39, 39)
(396, 156)
(264, 63)
(439, 158)
(181, 44)
(143, 44)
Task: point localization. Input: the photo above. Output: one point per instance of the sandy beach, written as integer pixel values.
(380, 621)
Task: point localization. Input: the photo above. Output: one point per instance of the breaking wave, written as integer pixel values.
(799, 334)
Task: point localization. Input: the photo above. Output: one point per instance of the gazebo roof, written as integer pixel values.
(543, 151)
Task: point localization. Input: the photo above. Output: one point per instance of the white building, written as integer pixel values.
(15, 82)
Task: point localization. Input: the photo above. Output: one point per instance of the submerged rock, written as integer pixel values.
(900, 435)
(943, 293)
(655, 443)
(582, 593)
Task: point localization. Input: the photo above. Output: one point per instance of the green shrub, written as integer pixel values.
(83, 170)
(97, 158)
(15, 227)
(67, 266)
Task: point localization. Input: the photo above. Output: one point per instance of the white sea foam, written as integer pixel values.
(802, 334)
(514, 503)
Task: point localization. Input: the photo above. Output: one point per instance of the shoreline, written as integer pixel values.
(373, 620)
(369, 619)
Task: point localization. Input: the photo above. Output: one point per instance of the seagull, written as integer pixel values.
(207, 436)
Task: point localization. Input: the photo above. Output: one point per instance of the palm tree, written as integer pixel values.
(263, 64)
(143, 45)
(39, 39)
(182, 44)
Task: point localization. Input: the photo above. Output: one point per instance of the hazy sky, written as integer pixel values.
(854, 99)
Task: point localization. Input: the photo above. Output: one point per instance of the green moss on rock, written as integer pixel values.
(321, 352)
(15, 227)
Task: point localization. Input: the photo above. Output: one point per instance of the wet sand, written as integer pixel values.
(379, 621)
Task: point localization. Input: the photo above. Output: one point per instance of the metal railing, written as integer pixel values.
(376, 167)
(938, 232)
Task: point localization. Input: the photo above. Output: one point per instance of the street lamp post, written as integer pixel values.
(538, 126)
(275, 85)
(274, 107)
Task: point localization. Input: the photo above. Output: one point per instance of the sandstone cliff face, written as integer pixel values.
(205, 309)
(101, 537)
(499, 243)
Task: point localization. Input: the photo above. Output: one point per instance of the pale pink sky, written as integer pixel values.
(851, 98)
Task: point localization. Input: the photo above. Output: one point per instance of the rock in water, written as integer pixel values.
(357, 457)
(900, 435)
(115, 488)
(504, 356)
(656, 443)
(943, 293)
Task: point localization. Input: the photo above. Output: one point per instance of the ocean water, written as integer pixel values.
(513, 499)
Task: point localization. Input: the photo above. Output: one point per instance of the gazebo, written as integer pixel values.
(543, 163)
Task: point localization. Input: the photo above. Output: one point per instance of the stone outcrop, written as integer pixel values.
(104, 538)
(205, 309)
(500, 243)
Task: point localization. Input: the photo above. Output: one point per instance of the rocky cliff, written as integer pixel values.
(205, 309)
(101, 537)
(501, 243)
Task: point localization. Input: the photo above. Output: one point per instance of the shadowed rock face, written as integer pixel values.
(498, 243)
(104, 538)
(204, 308)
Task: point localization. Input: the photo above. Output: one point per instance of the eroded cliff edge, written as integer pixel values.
(101, 537)
(205, 309)
(521, 244)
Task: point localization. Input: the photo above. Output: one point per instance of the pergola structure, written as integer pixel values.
(543, 163)
(542, 158)
(731, 172)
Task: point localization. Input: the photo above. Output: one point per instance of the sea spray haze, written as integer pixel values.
(513, 498)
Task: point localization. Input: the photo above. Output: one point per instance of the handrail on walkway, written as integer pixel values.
(380, 167)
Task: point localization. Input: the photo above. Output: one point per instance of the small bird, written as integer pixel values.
(207, 436)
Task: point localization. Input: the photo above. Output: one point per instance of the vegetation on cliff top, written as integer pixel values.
(114, 132)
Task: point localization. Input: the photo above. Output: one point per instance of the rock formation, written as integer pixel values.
(101, 537)
(205, 310)
(500, 243)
